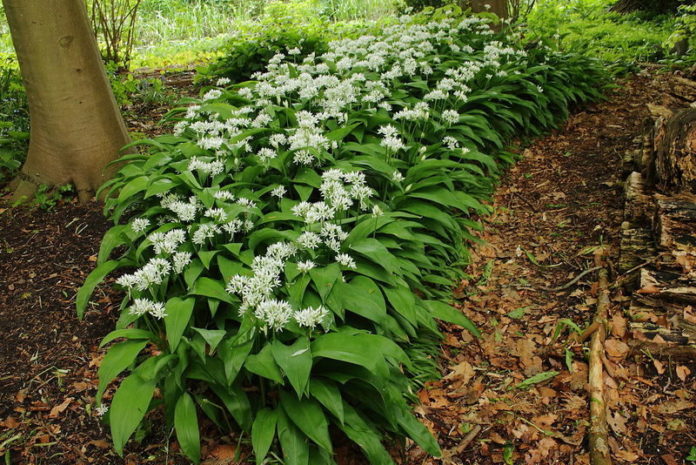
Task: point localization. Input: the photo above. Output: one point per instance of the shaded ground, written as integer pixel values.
(558, 206)
(560, 203)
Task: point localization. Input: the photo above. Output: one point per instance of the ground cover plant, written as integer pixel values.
(297, 236)
(14, 120)
(589, 27)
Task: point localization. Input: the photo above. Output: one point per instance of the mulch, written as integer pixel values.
(553, 210)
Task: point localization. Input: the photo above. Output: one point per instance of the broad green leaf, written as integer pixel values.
(444, 312)
(93, 279)
(262, 433)
(293, 443)
(118, 358)
(363, 297)
(296, 361)
(128, 333)
(211, 336)
(128, 407)
(264, 365)
(178, 314)
(328, 395)
(309, 417)
(211, 288)
(365, 436)
(186, 426)
(325, 278)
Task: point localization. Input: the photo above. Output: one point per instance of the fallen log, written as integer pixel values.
(599, 430)
(671, 152)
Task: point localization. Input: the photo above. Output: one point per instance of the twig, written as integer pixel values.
(572, 281)
(467, 439)
(599, 431)
(582, 337)
(534, 209)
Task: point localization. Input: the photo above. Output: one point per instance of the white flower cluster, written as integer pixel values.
(140, 307)
(257, 291)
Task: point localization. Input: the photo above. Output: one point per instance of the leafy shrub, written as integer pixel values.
(293, 243)
(284, 26)
(14, 121)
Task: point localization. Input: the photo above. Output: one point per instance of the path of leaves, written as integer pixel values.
(514, 391)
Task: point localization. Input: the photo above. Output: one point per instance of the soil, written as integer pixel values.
(557, 207)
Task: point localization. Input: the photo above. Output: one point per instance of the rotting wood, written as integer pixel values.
(671, 152)
(599, 430)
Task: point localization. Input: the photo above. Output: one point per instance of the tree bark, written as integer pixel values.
(76, 126)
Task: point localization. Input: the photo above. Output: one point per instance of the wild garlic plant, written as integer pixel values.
(290, 247)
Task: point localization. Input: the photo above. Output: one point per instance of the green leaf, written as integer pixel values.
(113, 238)
(363, 297)
(211, 288)
(325, 278)
(365, 436)
(444, 312)
(264, 365)
(292, 442)
(133, 187)
(538, 378)
(328, 394)
(237, 403)
(178, 314)
(296, 361)
(128, 407)
(212, 336)
(375, 251)
(262, 433)
(517, 313)
(118, 358)
(309, 417)
(129, 333)
(93, 279)
(186, 426)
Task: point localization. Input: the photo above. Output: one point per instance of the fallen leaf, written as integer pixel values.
(659, 366)
(674, 406)
(100, 443)
(58, 409)
(223, 451)
(9, 423)
(616, 349)
(618, 326)
(628, 456)
(617, 423)
(461, 373)
(683, 372)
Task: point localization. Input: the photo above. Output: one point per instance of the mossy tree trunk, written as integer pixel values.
(76, 126)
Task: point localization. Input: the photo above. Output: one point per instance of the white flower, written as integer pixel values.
(305, 266)
(310, 317)
(450, 116)
(205, 231)
(180, 260)
(294, 51)
(346, 260)
(397, 176)
(394, 144)
(141, 307)
(223, 81)
(140, 224)
(376, 211)
(218, 214)
(274, 314)
(101, 410)
(309, 240)
(212, 94)
(450, 142)
(224, 195)
(279, 192)
(266, 154)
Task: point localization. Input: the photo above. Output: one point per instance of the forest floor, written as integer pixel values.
(512, 396)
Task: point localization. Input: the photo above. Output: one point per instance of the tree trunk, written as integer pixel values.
(76, 126)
